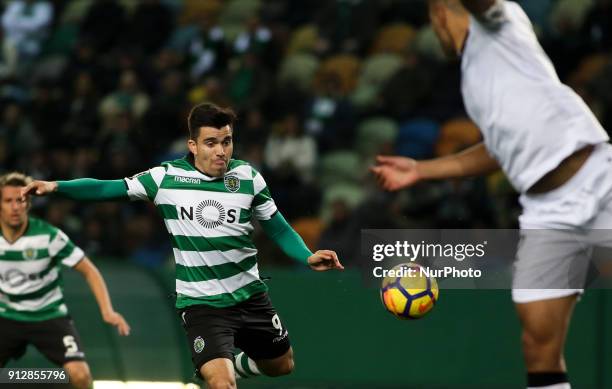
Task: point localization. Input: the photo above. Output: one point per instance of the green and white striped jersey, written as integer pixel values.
(209, 223)
(30, 277)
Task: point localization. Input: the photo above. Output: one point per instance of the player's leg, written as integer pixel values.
(264, 341)
(219, 374)
(245, 367)
(549, 272)
(12, 341)
(78, 374)
(544, 329)
(600, 229)
(58, 340)
(210, 336)
(553, 260)
(279, 366)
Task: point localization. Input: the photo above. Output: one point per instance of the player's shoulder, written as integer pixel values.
(513, 10)
(234, 163)
(177, 167)
(181, 163)
(241, 168)
(500, 15)
(38, 226)
(503, 14)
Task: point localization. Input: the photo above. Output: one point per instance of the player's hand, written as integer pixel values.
(115, 319)
(323, 260)
(394, 173)
(39, 188)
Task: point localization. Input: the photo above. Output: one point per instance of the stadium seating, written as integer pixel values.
(394, 38)
(417, 138)
(373, 134)
(299, 69)
(340, 167)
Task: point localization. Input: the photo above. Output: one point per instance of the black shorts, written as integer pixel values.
(57, 339)
(252, 326)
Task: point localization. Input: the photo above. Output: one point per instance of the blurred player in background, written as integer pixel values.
(32, 308)
(550, 146)
(207, 200)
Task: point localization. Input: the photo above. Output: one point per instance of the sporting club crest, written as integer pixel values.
(232, 183)
(198, 344)
(29, 253)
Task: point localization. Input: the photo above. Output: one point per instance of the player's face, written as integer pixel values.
(13, 210)
(212, 150)
(438, 15)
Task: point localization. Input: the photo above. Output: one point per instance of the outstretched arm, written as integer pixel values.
(80, 189)
(394, 173)
(292, 244)
(98, 287)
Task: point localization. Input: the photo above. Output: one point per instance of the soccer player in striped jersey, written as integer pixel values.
(32, 307)
(552, 149)
(207, 201)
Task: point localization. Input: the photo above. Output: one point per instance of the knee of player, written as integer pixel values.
(537, 338)
(289, 366)
(284, 368)
(221, 383)
(538, 345)
(80, 379)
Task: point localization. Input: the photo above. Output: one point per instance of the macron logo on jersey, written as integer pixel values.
(187, 180)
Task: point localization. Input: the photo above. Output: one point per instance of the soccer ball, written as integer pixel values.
(411, 295)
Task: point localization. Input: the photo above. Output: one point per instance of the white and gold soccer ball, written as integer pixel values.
(410, 296)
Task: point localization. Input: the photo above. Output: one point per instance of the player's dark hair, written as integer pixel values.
(209, 115)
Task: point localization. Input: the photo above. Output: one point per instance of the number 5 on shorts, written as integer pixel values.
(71, 344)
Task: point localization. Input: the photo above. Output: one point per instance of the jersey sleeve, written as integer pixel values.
(263, 205)
(144, 186)
(62, 249)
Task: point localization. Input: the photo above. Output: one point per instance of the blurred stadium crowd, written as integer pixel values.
(102, 89)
